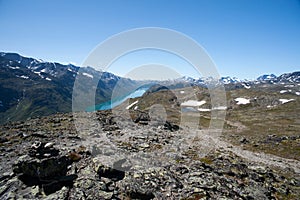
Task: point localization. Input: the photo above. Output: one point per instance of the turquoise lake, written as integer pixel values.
(117, 101)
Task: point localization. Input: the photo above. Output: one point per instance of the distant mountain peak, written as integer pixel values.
(266, 77)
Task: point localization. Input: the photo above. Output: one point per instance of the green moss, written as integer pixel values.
(206, 160)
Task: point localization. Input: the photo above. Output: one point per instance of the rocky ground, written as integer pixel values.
(59, 157)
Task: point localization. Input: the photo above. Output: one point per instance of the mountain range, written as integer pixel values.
(172, 142)
(285, 78)
(32, 87)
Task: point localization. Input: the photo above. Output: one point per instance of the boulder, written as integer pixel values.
(41, 168)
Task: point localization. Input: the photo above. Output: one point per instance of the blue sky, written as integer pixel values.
(245, 38)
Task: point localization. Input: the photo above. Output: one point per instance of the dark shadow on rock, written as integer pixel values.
(141, 195)
(56, 185)
(49, 185)
(113, 174)
(29, 180)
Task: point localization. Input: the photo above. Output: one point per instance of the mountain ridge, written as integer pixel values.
(33, 87)
(225, 79)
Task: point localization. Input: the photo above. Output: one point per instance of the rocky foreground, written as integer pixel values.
(48, 158)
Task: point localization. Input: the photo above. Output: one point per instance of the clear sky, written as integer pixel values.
(245, 38)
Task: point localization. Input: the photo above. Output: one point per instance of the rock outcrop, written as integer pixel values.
(47, 158)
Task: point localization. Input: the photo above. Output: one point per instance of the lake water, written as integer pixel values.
(117, 101)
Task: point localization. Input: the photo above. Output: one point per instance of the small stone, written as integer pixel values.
(5, 175)
(105, 195)
(74, 156)
(81, 149)
(144, 145)
(36, 145)
(136, 175)
(198, 190)
(35, 190)
(49, 145)
(244, 141)
(146, 177)
(294, 182)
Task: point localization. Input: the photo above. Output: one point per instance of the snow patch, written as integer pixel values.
(70, 70)
(88, 75)
(246, 86)
(297, 93)
(48, 79)
(283, 91)
(283, 101)
(38, 73)
(182, 92)
(193, 103)
(242, 101)
(25, 77)
(289, 86)
(14, 67)
(204, 109)
(128, 107)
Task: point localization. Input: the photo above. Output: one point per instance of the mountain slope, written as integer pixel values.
(31, 87)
